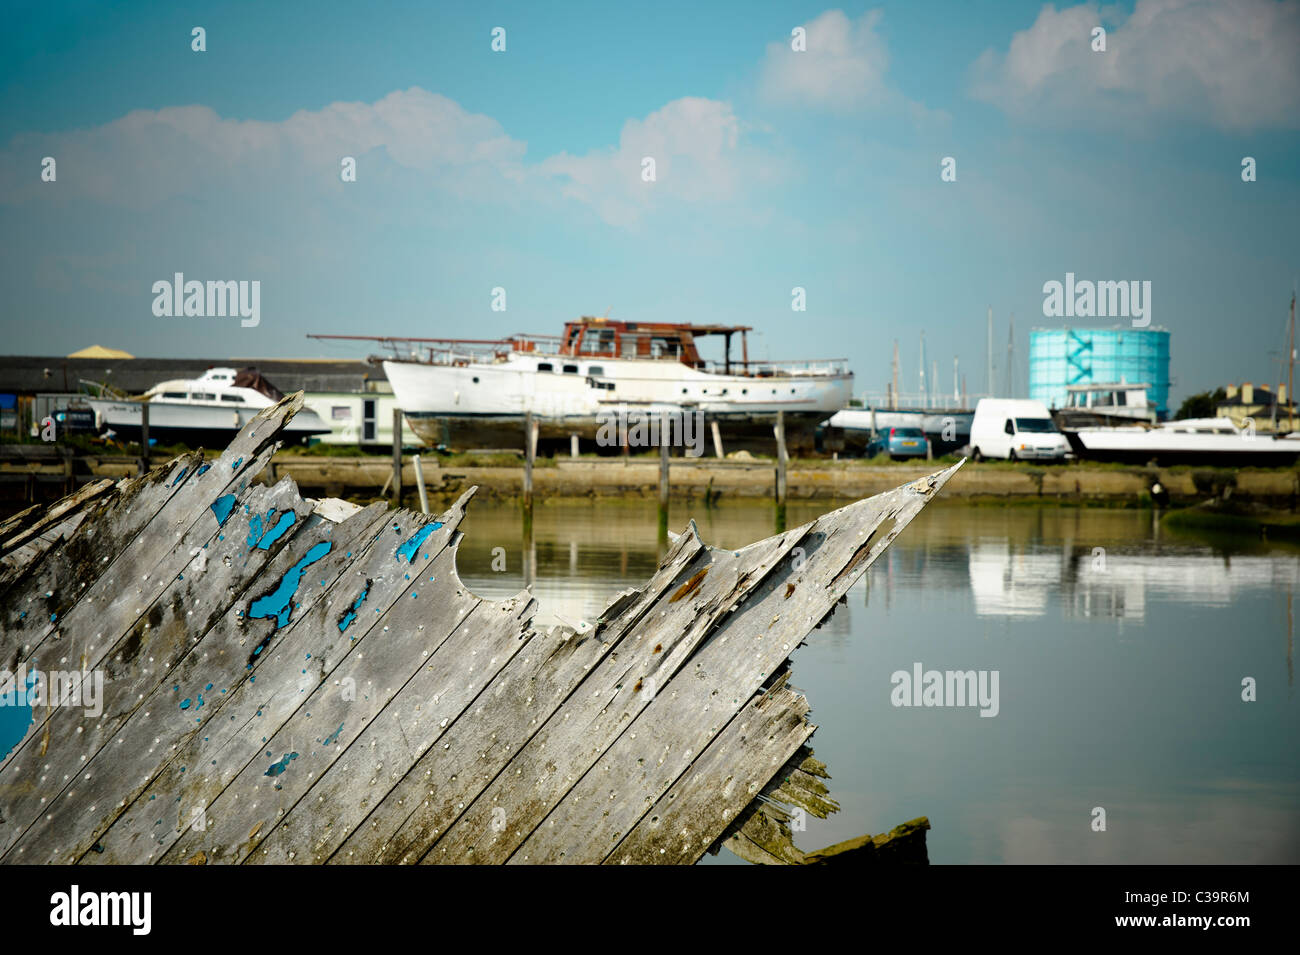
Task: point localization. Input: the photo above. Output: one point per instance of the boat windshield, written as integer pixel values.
(1035, 425)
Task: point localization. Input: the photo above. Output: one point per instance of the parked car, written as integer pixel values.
(1016, 430)
(898, 443)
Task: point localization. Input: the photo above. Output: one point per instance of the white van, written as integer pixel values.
(1015, 430)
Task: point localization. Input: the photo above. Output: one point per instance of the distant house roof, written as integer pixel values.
(99, 351)
(1260, 397)
(34, 374)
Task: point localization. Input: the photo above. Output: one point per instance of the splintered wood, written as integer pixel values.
(206, 669)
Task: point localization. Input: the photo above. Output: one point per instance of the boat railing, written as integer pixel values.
(818, 367)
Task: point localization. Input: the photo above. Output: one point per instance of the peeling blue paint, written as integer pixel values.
(280, 765)
(180, 477)
(203, 469)
(347, 618)
(222, 507)
(275, 533)
(333, 737)
(277, 603)
(238, 462)
(185, 703)
(15, 713)
(408, 549)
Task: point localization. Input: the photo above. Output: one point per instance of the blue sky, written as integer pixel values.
(775, 169)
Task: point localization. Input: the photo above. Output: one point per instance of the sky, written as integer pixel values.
(523, 169)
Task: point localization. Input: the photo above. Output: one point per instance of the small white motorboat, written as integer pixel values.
(205, 411)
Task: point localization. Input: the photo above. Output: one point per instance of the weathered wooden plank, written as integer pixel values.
(12, 538)
(199, 641)
(758, 637)
(723, 780)
(236, 733)
(532, 687)
(118, 606)
(29, 553)
(618, 688)
(471, 752)
(761, 834)
(133, 576)
(448, 684)
(902, 845)
(378, 665)
(49, 589)
(164, 629)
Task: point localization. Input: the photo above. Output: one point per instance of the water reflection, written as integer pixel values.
(1115, 583)
(1121, 651)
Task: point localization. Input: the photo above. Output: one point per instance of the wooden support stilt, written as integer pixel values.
(663, 474)
(419, 485)
(782, 460)
(530, 452)
(144, 437)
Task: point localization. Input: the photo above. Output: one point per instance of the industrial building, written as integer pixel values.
(1060, 357)
(353, 397)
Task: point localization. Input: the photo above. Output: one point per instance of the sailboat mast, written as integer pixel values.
(893, 398)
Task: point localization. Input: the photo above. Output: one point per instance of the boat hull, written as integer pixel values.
(1143, 447)
(738, 431)
(193, 425)
(485, 405)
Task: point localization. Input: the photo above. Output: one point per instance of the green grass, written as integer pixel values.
(1215, 522)
(322, 450)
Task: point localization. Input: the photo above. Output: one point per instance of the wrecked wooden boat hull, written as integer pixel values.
(290, 680)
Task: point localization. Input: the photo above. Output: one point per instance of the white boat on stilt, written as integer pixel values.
(205, 411)
(467, 393)
(1214, 441)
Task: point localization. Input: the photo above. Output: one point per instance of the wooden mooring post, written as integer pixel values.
(782, 461)
(530, 452)
(144, 437)
(380, 675)
(419, 484)
(397, 456)
(663, 478)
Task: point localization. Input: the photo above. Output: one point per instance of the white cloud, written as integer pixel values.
(1233, 65)
(696, 147)
(148, 156)
(843, 67)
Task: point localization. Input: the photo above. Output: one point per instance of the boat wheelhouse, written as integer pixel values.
(1104, 403)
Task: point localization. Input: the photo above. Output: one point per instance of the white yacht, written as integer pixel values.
(464, 393)
(208, 410)
(1190, 441)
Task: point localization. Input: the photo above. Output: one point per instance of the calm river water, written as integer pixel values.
(1120, 674)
